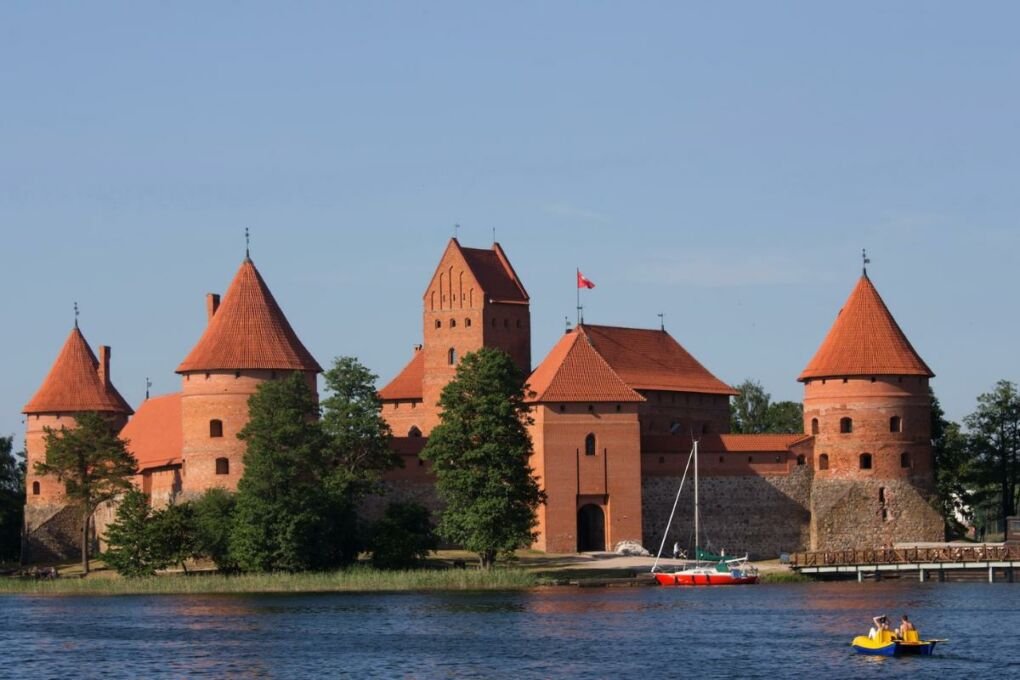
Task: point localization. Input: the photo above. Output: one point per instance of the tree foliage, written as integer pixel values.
(403, 538)
(952, 469)
(173, 535)
(994, 430)
(286, 519)
(752, 411)
(358, 437)
(130, 537)
(479, 453)
(92, 462)
(12, 499)
(213, 522)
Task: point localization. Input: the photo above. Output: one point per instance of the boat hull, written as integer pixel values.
(720, 579)
(865, 645)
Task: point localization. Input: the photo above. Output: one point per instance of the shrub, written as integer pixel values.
(403, 538)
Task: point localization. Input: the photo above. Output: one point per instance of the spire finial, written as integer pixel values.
(456, 230)
(566, 322)
(148, 384)
(662, 321)
(75, 313)
(494, 235)
(865, 261)
(247, 244)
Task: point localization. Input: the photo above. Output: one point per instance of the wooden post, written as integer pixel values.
(920, 575)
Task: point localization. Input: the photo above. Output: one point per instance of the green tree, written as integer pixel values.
(403, 538)
(12, 499)
(92, 462)
(753, 412)
(173, 535)
(358, 436)
(479, 453)
(213, 521)
(285, 518)
(995, 446)
(129, 537)
(952, 460)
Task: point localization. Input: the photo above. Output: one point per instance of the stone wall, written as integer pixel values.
(871, 513)
(755, 514)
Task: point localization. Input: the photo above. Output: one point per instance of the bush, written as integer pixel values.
(172, 532)
(129, 537)
(403, 538)
(213, 522)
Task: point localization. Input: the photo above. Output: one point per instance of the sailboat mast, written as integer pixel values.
(696, 527)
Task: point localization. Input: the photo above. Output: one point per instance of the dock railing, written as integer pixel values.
(948, 553)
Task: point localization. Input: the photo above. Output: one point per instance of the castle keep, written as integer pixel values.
(614, 409)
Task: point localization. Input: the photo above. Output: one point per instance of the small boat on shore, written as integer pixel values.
(886, 644)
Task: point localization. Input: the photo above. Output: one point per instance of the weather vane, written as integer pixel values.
(247, 243)
(662, 321)
(76, 314)
(865, 259)
(148, 384)
(456, 230)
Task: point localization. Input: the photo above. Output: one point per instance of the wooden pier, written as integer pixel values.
(999, 561)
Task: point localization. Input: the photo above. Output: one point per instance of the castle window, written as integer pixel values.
(846, 425)
(563, 408)
(800, 459)
(439, 324)
(895, 424)
(885, 515)
(814, 426)
(750, 459)
(222, 466)
(720, 459)
(618, 408)
(451, 356)
(881, 494)
(237, 374)
(215, 428)
(705, 428)
(865, 461)
(779, 459)
(467, 323)
(823, 461)
(589, 445)
(414, 431)
(35, 488)
(904, 460)
(453, 323)
(591, 408)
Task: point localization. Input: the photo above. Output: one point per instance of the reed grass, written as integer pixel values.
(358, 579)
(785, 576)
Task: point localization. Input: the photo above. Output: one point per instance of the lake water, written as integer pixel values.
(766, 631)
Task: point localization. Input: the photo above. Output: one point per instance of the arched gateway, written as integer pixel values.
(591, 529)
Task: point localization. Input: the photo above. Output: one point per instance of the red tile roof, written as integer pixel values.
(721, 443)
(249, 331)
(155, 435)
(865, 340)
(73, 383)
(495, 275)
(574, 371)
(652, 360)
(408, 383)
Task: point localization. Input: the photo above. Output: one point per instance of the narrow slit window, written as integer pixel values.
(589, 445)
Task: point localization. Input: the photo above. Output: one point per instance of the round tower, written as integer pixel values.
(247, 341)
(78, 382)
(866, 402)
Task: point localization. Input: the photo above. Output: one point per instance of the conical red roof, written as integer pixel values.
(73, 383)
(248, 331)
(865, 340)
(574, 371)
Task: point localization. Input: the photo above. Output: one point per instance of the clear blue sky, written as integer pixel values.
(723, 164)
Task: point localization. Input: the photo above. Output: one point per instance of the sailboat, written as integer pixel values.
(707, 570)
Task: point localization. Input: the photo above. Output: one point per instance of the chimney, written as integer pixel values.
(104, 364)
(212, 303)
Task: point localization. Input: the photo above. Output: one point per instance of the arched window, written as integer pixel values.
(35, 488)
(800, 459)
(222, 466)
(451, 356)
(414, 431)
(846, 425)
(215, 428)
(904, 460)
(814, 426)
(823, 461)
(467, 323)
(865, 461)
(453, 323)
(439, 324)
(589, 445)
(881, 494)
(895, 424)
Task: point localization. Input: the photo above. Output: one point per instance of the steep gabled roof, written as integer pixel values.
(865, 340)
(408, 383)
(652, 360)
(73, 383)
(155, 435)
(574, 371)
(491, 269)
(249, 331)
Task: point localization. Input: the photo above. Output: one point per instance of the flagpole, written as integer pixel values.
(577, 284)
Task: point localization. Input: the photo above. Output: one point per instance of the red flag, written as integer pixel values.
(583, 282)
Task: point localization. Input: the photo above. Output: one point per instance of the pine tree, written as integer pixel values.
(173, 535)
(92, 462)
(130, 537)
(479, 453)
(213, 522)
(12, 499)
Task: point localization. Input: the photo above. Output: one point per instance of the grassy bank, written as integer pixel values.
(352, 580)
(786, 576)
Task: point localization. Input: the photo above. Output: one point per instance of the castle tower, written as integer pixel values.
(866, 402)
(247, 341)
(474, 300)
(587, 449)
(78, 382)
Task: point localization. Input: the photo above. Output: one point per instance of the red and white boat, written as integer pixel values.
(706, 570)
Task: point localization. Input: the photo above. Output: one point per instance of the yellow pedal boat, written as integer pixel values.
(887, 644)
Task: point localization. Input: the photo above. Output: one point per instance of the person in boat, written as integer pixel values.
(881, 623)
(676, 550)
(905, 625)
